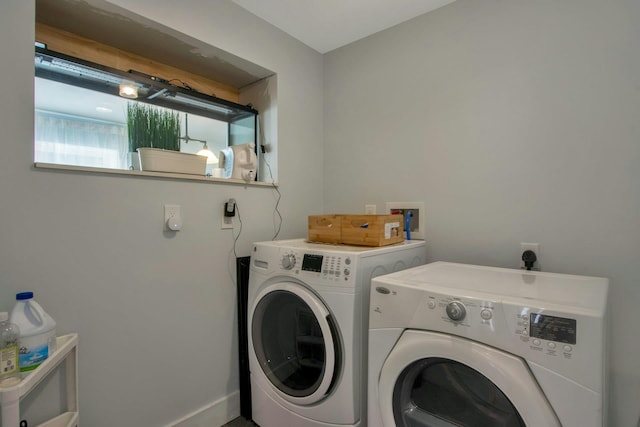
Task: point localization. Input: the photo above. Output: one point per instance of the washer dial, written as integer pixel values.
(456, 311)
(288, 261)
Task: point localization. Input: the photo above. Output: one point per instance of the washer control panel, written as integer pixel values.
(327, 266)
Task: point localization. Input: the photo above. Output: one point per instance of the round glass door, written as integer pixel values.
(436, 392)
(295, 342)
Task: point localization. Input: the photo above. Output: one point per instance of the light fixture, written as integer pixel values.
(70, 68)
(150, 89)
(128, 90)
(188, 100)
(211, 158)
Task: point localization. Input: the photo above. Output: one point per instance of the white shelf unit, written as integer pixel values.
(67, 352)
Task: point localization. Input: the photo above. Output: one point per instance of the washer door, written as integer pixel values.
(436, 380)
(295, 342)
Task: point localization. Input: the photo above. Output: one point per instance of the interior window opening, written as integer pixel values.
(85, 113)
(103, 49)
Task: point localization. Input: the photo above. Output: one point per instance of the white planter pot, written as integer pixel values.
(158, 160)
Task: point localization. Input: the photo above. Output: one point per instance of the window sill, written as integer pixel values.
(147, 174)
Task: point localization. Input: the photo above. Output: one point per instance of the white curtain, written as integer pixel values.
(79, 141)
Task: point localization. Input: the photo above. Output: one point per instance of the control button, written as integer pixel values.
(431, 304)
(551, 345)
(347, 261)
(525, 332)
(567, 348)
(347, 272)
(486, 314)
(456, 311)
(536, 342)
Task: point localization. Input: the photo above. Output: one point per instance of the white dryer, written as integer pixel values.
(462, 345)
(307, 321)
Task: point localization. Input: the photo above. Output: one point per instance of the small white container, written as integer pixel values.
(37, 332)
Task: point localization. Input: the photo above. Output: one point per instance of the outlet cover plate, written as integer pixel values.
(226, 222)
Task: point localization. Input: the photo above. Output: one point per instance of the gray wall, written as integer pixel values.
(156, 314)
(514, 121)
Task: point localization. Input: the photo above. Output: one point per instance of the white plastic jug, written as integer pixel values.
(37, 332)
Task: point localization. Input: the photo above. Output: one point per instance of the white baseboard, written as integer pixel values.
(214, 414)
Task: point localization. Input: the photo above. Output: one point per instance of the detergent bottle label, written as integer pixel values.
(33, 351)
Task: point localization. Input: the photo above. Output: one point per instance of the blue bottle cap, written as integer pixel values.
(24, 295)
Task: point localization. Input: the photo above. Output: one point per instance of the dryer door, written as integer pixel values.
(295, 342)
(437, 380)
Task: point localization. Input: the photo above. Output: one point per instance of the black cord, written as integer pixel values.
(184, 85)
(273, 181)
(275, 187)
(235, 240)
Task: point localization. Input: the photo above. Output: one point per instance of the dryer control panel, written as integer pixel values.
(552, 328)
(546, 332)
(487, 320)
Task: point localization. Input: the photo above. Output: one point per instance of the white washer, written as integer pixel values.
(462, 345)
(307, 309)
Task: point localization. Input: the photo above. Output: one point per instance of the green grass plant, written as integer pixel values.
(150, 126)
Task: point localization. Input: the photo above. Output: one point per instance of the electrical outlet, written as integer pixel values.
(227, 222)
(535, 248)
(170, 212)
(228, 212)
(417, 221)
(370, 209)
